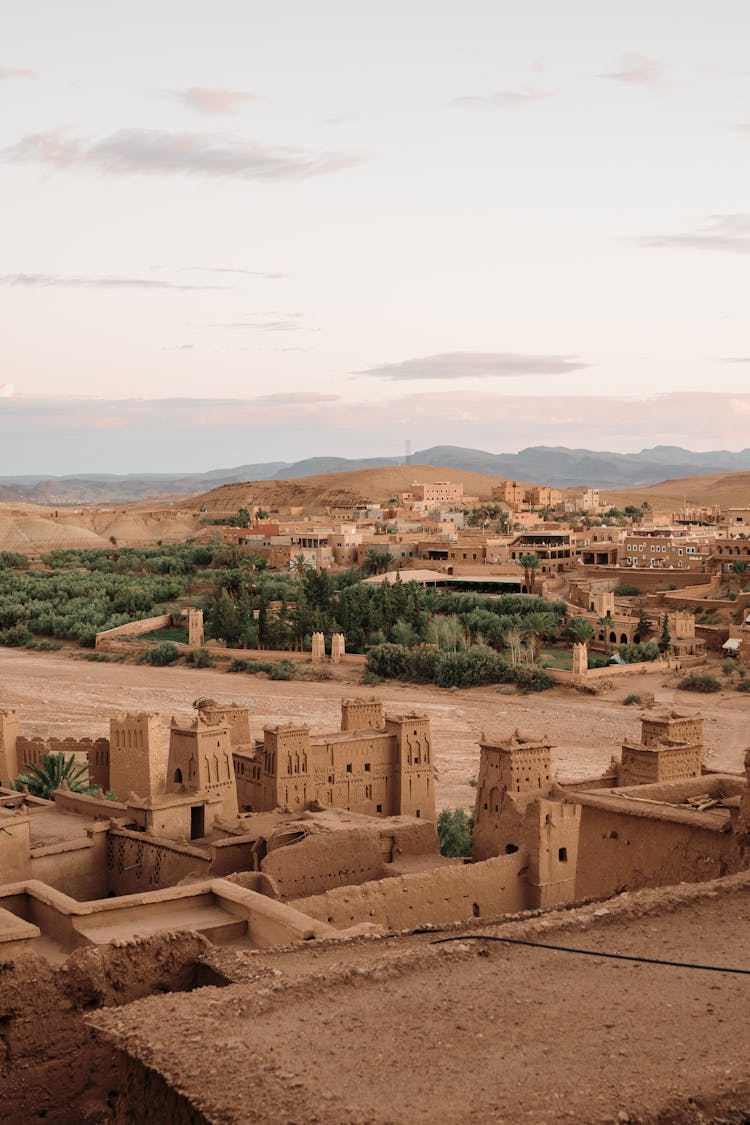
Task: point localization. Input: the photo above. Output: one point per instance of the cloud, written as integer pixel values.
(298, 398)
(209, 99)
(48, 280)
(743, 127)
(730, 233)
(229, 269)
(7, 390)
(502, 99)
(157, 152)
(7, 73)
(476, 365)
(177, 347)
(636, 69)
(736, 359)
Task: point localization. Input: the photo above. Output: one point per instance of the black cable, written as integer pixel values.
(591, 953)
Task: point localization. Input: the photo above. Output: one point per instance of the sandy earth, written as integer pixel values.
(65, 696)
(401, 1030)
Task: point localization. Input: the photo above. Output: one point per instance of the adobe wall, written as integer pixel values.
(451, 893)
(135, 863)
(75, 867)
(135, 628)
(15, 863)
(621, 851)
(29, 750)
(98, 808)
(324, 860)
(647, 580)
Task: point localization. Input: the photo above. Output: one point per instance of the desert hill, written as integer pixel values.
(32, 530)
(726, 489)
(313, 494)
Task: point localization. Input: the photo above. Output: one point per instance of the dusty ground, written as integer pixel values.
(400, 1030)
(62, 696)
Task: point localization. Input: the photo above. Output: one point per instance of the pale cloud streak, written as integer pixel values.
(212, 100)
(730, 233)
(156, 152)
(636, 69)
(8, 73)
(49, 280)
(502, 99)
(476, 365)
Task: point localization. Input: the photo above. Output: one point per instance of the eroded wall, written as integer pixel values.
(446, 894)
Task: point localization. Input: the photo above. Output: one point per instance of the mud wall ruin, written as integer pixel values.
(449, 893)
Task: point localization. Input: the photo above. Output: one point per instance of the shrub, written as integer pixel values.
(627, 590)
(632, 698)
(200, 658)
(14, 560)
(743, 685)
(16, 636)
(162, 654)
(699, 681)
(455, 831)
(100, 657)
(45, 646)
(284, 670)
(639, 653)
(728, 666)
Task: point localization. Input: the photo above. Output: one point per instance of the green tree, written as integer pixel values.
(580, 630)
(530, 564)
(740, 569)
(665, 639)
(455, 832)
(606, 624)
(534, 627)
(46, 779)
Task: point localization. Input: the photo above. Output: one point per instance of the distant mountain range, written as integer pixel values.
(553, 465)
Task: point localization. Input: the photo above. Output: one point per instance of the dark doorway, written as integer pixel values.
(197, 821)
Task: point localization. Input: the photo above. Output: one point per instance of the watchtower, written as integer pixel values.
(362, 714)
(413, 778)
(10, 725)
(136, 754)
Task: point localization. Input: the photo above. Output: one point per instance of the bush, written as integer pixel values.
(627, 590)
(16, 637)
(14, 560)
(45, 646)
(284, 670)
(161, 655)
(699, 681)
(200, 658)
(743, 685)
(100, 657)
(632, 698)
(254, 666)
(455, 831)
(639, 653)
(728, 666)
(476, 666)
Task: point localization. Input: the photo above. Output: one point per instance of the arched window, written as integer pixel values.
(178, 777)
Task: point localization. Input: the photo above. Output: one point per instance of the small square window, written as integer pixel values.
(348, 767)
(368, 767)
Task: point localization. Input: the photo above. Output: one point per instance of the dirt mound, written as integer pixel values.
(314, 494)
(33, 530)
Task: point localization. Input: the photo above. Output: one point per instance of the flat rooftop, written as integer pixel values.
(405, 1030)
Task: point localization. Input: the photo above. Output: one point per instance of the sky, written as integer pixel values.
(262, 230)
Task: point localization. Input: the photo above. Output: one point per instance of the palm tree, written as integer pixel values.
(580, 630)
(534, 627)
(530, 564)
(607, 624)
(44, 780)
(740, 569)
(298, 565)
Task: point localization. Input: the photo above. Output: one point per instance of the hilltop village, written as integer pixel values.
(216, 870)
